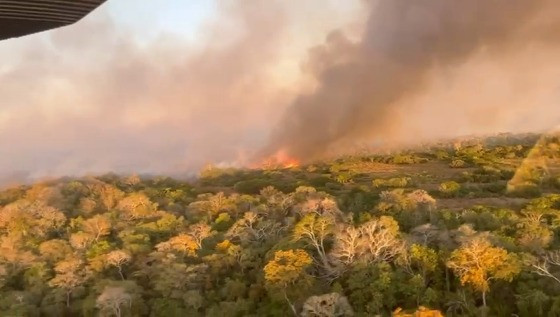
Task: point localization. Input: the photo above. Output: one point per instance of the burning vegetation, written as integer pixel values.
(280, 160)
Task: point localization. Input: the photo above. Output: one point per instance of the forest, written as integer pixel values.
(468, 227)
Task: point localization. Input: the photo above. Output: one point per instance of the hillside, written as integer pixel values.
(462, 228)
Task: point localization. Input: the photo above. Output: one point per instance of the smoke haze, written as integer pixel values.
(429, 68)
(91, 98)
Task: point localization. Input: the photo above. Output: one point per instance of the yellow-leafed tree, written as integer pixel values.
(420, 312)
(478, 262)
(288, 270)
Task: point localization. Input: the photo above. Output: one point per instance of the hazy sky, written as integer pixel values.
(148, 19)
(167, 86)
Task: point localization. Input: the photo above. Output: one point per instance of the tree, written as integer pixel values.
(380, 239)
(422, 200)
(183, 244)
(30, 218)
(278, 203)
(421, 312)
(423, 258)
(394, 201)
(478, 262)
(542, 265)
(165, 225)
(212, 205)
(347, 245)
(55, 250)
(47, 194)
(135, 241)
(81, 240)
(374, 241)
(97, 226)
(87, 205)
(199, 232)
(419, 260)
(411, 209)
(371, 288)
(425, 233)
(118, 258)
(254, 228)
(132, 180)
(109, 195)
(533, 302)
(70, 274)
(193, 299)
(287, 269)
(112, 299)
(533, 232)
(172, 278)
(14, 253)
(315, 230)
(137, 206)
(327, 305)
(322, 206)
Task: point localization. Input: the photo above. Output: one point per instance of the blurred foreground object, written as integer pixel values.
(24, 17)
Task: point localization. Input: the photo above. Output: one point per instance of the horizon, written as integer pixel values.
(195, 175)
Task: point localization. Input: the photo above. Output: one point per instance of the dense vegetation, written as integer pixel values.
(468, 228)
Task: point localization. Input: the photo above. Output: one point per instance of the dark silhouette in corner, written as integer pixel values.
(24, 17)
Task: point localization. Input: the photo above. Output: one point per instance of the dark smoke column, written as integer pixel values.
(23, 17)
(360, 83)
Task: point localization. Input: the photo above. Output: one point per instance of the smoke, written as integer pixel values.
(425, 69)
(96, 97)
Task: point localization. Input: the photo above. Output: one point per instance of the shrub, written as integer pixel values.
(495, 188)
(333, 186)
(457, 163)
(486, 174)
(344, 177)
(403, 159)
(441, 155)
(526, 190)
(449, 189)
(395, 182)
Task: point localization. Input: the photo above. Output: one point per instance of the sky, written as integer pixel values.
(151, 18)
(169, 86)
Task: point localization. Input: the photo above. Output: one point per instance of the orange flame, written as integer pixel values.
(280, 160)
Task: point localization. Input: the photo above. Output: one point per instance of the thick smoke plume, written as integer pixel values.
(411, 74)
